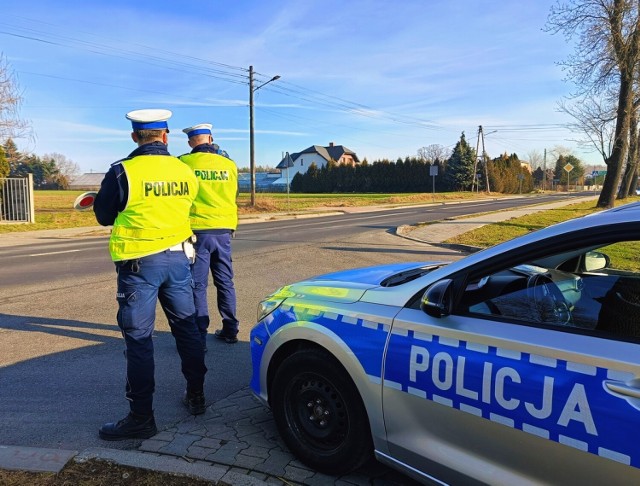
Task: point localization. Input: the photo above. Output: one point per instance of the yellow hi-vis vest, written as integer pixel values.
(156, 217)
(215, 205)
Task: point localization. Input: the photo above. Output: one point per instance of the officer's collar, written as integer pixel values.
(211, 148)
(153, 148)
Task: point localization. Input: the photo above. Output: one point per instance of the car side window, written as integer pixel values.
(596, 289)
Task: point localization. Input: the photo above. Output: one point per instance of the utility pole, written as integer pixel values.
(484, 161)
(252, 157)
(475, 164)
(252, 160)
(544, 170)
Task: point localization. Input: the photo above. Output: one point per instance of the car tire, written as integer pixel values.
(319, 413)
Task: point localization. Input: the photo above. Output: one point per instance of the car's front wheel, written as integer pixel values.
(319, 413)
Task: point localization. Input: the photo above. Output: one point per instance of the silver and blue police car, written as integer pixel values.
(519, 364)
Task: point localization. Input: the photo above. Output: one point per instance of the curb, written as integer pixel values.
(168, 464)
(45, 460)
(405, 230)
(408, 231)
(34, 459)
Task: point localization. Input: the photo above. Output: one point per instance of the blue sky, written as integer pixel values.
(382, 78)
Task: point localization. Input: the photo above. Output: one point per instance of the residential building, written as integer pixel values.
(89, 181)
(318, 155)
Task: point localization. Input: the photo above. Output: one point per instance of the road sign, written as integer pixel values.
(286, 162)
(568, 167)
(85, 201)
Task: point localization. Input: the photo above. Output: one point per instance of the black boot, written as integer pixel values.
(131, 427)
(225, 336)
(194, 401)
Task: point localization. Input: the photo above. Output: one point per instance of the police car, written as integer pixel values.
(519, 364)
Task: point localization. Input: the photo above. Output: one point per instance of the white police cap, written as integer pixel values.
(200, 129)
(153, 119)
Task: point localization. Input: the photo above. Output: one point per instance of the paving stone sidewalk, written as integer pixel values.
(238, 434)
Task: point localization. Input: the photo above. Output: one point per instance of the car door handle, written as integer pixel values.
(620, 388)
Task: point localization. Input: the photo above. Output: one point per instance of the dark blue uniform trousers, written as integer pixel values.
(213, 253)
(165, 276)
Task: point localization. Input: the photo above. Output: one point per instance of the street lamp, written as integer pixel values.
(252, 161)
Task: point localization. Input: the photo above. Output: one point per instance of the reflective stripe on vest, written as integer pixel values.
(156, 217)
(215, 205)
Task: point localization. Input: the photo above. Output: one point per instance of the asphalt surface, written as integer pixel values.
(235, 441)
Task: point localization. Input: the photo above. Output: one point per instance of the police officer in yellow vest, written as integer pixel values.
(214, 218)
(147, 198)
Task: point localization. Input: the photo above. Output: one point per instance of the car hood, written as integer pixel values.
(350, 285)
(374, 275)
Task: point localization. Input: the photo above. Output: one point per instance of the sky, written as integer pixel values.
(378, 77)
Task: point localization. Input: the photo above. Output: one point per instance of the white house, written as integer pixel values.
(318, 155)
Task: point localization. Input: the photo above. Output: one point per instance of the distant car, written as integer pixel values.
(519, 364)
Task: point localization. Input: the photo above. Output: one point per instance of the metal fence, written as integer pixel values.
(16, 200)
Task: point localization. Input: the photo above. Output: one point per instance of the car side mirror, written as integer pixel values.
(436, 300)
(594, 260)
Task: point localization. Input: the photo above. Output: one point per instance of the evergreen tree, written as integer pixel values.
(574, 176)
(297, 183)
(538, 176)
(45, 173)
(362, 176)
(508, 175)
(4, 164)
(311, 180)
(460, 166)
(12, 155)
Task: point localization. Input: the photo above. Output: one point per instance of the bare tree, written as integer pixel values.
(433, 152)
(560, 151)
(605, 60)
(66, 169)
(595, 118)
(535, 159)
(65, 166)
(11, 125)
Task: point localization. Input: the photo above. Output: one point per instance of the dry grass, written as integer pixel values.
(54, 209)
(498, 232)
(624, 254)
(97, 473)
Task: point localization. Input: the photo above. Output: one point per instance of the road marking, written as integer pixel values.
(295, 223)
(53, 253)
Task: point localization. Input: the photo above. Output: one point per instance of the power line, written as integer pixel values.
(298, 92)
(237, 75)
(323, 126)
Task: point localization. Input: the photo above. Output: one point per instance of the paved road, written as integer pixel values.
(60, 351)
(52, 258)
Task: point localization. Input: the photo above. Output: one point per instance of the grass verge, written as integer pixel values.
(54, 209)
(623, 254)
(495, 233)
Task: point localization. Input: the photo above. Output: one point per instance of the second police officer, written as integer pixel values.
(214, 218)
(147, 198)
